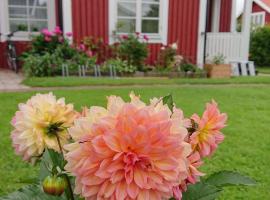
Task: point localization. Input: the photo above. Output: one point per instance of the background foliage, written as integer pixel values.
(260, 46)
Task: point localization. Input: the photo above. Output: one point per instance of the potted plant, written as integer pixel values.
(217, 68)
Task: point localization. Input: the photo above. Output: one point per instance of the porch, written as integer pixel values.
(231, 42)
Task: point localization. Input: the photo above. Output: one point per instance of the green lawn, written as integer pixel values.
(264, 70)
(76, 81)
(246, 148)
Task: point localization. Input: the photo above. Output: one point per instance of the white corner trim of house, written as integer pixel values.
(201, 33)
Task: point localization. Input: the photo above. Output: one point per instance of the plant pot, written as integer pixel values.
(218, 71)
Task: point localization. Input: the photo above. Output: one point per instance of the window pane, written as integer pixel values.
(42, 3)
(17, 12)
(16, 25)
(37, 13)
(150, 10)
(126, 25)
(17, 2)
(126, 9)
(150, 26)
(38, 25)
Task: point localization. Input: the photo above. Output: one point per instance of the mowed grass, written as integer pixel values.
(90, 81)
(246, 148)
(264, 70)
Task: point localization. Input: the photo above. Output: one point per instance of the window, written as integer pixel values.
(257, 20)
(28, 15)
(144, 16)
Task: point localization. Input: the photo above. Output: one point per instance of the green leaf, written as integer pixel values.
(201, 191)
(51, 160)
(169, 101)
(30, 192)
(44, 164)
(229, 178)
(56, 158)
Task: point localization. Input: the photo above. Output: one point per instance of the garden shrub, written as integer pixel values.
(133, 49)
(121, 66)
(169, 60)
(167, 56)
(50, 50)
(260, 46)
(188, 67)
(102, 50)
(39, 65)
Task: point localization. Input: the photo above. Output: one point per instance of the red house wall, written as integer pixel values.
(257, 8)
(90, 18)
(225, 15)
(183, 26)
(20, 48)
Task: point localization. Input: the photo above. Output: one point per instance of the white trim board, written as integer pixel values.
(201, 33)
(262, 5)
(67, 17)
(153, 38)
(216, 15)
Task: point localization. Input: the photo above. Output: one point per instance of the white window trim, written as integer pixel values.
(153, 38)
(67, 18)
(216, 16)
(23, 35)
(255, 14)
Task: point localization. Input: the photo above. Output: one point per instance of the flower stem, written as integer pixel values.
(66, 176)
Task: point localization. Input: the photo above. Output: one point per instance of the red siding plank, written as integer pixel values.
(185, 31)
(225, 15)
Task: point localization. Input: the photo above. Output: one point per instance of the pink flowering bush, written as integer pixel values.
(50, 50)
(128, 150)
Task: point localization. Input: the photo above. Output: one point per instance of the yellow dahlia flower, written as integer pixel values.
(38, 124)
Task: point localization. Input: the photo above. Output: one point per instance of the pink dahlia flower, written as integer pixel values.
(193, 175)
(124, 37)
(82, 47)
(146, 38)
(48, 39)
(207, 136)
(47, 33)
(89, 53)
(36, 124)
(128, 151)
(58, 30)
(69, 34)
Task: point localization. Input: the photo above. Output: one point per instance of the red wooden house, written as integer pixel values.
(260, 13)
(201, 28)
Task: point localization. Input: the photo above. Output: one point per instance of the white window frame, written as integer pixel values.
(255, 16)
(23, 35)
(161, 37)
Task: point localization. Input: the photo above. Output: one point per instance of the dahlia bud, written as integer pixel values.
(54, 185)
